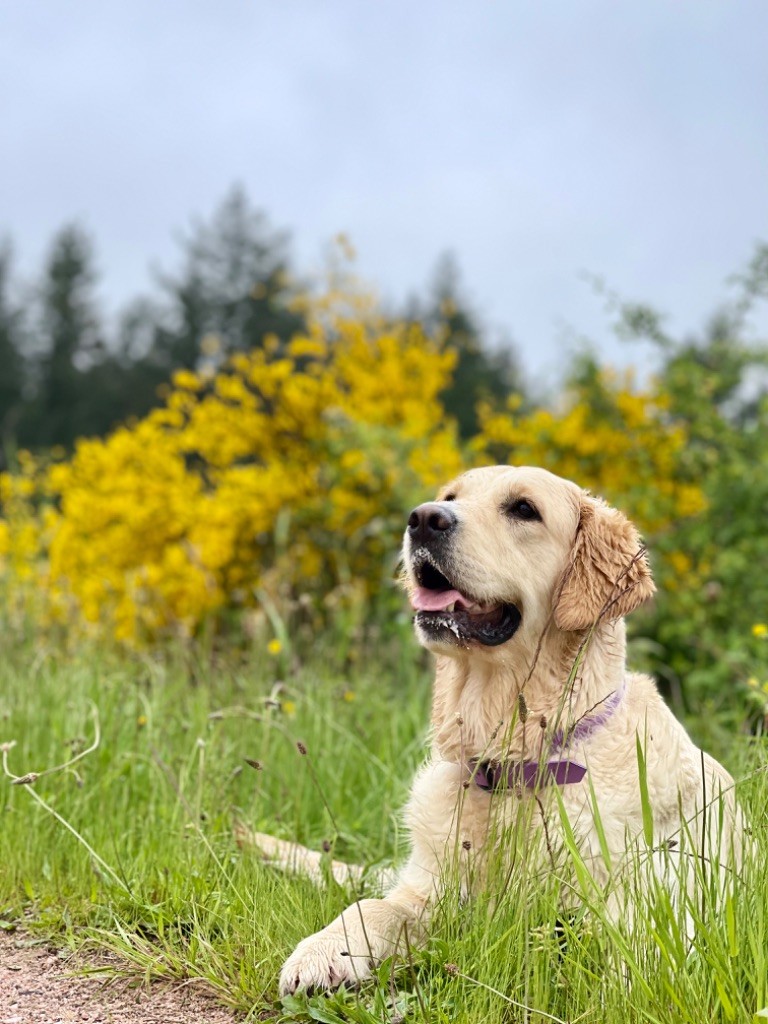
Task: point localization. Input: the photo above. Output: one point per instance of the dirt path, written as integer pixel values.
(36, 987)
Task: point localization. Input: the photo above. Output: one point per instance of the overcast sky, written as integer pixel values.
(537, 139)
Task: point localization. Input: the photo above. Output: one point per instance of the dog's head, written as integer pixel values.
(506, 552)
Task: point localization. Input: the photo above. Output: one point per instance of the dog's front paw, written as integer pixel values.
(324, 961)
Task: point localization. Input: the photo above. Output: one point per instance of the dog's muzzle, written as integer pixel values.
(445, 612)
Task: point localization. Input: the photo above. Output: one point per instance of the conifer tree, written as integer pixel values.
(11, 360)
(232, 290)
(69, 336)
(481, 373)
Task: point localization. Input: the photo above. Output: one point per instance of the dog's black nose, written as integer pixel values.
(429, 521)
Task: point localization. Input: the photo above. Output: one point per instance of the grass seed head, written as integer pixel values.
(25, 780)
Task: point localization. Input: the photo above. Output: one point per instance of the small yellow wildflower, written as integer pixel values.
(274, 647)
(349, 696)
(186, 380)
(288, 708)
(141, 721)
(760, 629)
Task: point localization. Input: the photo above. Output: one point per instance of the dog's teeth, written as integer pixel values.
(451, 607)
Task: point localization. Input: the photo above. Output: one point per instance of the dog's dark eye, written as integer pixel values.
(450, 497)
(522, 509)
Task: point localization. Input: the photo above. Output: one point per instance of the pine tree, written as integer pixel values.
(70, 338)
(482, 373)
(232, 290)
(11, 361)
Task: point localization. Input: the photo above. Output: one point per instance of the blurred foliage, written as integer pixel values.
(718, 391)
(70, 370)
(272, 479)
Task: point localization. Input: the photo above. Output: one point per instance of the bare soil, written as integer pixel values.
(41, 986)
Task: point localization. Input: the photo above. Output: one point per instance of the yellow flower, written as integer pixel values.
(680, 562)
(274, 647)
(288, 708)
(760, 629)
(349, 696)
(186, 380)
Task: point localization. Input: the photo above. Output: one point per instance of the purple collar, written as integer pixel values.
(491, 775)
(560, 769)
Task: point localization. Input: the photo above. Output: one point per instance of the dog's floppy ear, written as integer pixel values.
(608, 575)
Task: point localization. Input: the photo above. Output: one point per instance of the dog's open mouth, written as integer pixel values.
(444, 612)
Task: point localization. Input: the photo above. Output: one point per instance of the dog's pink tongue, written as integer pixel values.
(423, 600)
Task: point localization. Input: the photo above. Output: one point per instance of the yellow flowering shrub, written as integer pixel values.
(25, 530)
(288, 468)
(286, 473)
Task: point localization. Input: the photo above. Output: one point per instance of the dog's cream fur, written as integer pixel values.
(573, 576)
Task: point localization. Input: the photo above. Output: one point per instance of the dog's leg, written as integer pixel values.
(293, 858)
(366, 933)
(369, 931)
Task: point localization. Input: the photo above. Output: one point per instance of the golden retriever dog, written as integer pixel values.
(519, 581)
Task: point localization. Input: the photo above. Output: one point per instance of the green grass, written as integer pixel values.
(153, 872)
